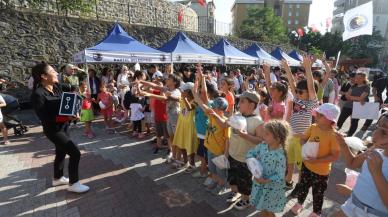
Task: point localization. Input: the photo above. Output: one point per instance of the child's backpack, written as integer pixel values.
(127, 100)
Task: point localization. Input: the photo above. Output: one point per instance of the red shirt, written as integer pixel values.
(160, 108)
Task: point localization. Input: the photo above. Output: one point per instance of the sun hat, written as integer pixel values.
(187, 86)
(329, 110)
(253, 96)
(220, 103)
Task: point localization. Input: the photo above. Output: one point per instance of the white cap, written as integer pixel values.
(157, 74)
(330, 111)
(318, 63)
(187, 86)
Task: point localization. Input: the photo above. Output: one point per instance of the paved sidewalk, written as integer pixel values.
(126, 179)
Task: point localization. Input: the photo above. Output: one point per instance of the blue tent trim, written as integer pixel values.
(279, 54)
(257, 51)
(294, 54)
(118, 39)
(180, 43)
(231, 54)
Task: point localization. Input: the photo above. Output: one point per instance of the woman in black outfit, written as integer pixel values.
(46, 99)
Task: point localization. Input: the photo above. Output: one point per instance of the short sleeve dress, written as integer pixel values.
(185, 134)
(271, 196)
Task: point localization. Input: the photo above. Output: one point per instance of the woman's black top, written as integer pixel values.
(46, 104)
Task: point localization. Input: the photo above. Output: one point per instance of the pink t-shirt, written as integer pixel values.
(277, 109)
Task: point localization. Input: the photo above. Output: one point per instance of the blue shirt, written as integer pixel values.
(365, 188)
(201, 121)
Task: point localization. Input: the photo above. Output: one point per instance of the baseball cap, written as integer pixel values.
(187, 86)
(157, 74)
(318, 64)
(329, 110)
(220, 103)
(253, 96)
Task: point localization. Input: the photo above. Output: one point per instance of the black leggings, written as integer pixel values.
(63, 146)
(137, 126)
(317, 182)
(347, 112)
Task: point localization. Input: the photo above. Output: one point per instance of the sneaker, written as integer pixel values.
(289, 185)
(219, 190)
(177, 164)
(141, 136)
(169, 158)
(297, 209)
(241, 205)
(313, 214)
(190, 169)
(91, 135)
(198, 174)
(212, 186)
(78, 188)
(61, 181)
(7, 142)
(208, 181)
(156, 150)
(233, 197)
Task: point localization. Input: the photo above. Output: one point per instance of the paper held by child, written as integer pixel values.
(351, 177)
(355, 143)
(255, 167)
(221, 162)
(310, 150)
(102, 105)
(238, 122)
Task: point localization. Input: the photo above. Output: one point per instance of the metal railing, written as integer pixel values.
(130, 13)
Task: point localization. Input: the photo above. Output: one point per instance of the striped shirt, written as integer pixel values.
(301, 116)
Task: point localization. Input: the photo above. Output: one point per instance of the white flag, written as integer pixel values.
(358, 21)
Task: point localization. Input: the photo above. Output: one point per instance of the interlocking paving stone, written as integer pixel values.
(125, 180)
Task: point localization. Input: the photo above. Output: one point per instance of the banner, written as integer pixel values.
(111, 57)
(358, 21)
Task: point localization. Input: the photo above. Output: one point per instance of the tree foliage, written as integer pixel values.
(262, 24)
(331, 43)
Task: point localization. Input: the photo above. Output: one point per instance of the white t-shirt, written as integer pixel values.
(136, 111)
(122, 79)
(236, 83)
(1, 114)
(290, 98)
(273, 77)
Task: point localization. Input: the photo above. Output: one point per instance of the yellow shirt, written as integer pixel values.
(327, 144)
(216, 137)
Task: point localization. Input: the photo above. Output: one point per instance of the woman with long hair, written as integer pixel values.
(46, 99)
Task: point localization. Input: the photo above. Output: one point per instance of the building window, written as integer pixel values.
(289, 5)
(377, 19)
(296, 22)
(297, 5)
(297, 14)
(290, 14)
(289, 22)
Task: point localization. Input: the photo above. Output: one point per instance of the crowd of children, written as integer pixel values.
(282, 116)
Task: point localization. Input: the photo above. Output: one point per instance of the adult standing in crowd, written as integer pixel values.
(379, 86)
(359, 92)
(70, 77)
(94, 84)
(46, 99)
(107, 76)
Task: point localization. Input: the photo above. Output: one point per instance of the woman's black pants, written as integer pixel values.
(345, 113)
(58, 135)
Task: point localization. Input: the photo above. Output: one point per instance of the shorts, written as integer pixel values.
(107, 112)
(149, 117)
(202, 150)
(171, 126)
(351, 210)
(239, 175)
(161, 129)
(294, 152)
(213, 169)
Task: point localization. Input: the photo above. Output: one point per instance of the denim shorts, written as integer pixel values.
(213, 169)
